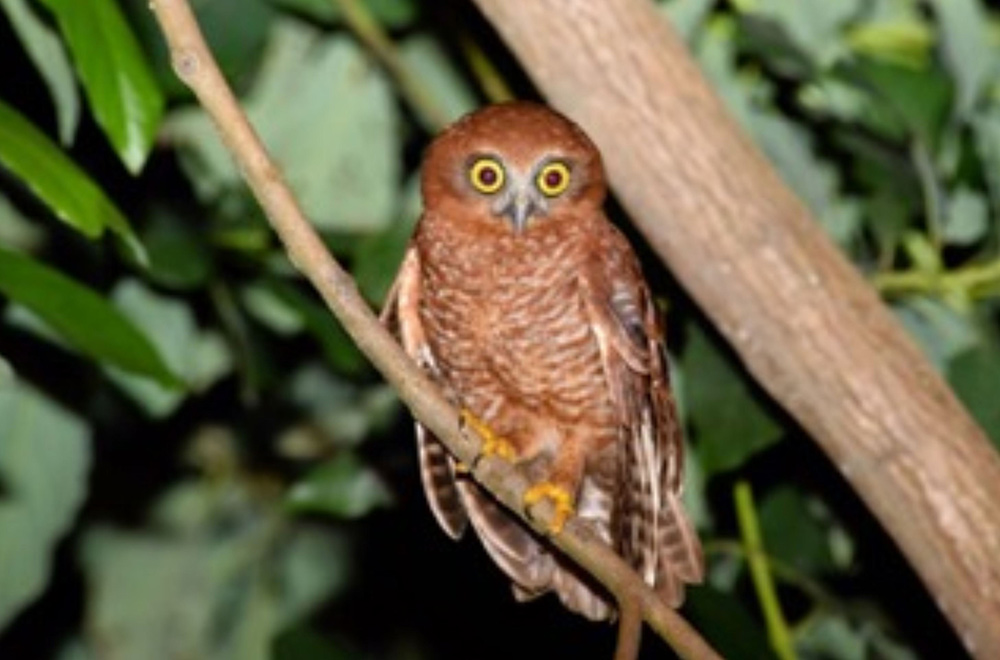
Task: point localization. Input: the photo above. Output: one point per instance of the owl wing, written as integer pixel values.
(401, 316)
(651, 529)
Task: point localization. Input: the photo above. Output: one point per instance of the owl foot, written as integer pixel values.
(493, 445)
(562, 502)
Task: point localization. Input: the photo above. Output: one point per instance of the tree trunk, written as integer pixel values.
(804, 322)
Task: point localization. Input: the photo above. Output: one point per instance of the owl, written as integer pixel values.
(529, 309)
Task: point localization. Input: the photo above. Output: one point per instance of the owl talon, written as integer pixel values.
(492, 445)
(561, 500)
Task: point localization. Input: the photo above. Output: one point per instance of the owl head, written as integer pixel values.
(513, 166)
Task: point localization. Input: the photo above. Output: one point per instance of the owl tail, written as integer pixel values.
(680, 558)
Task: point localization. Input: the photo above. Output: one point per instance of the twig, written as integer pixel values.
(361, 22)
(760, 571)
(195, 65)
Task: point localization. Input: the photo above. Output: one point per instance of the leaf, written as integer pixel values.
(81, 317)
(974, 375)
(120, 87)
(793, 532)
(199, 358)
(46, 51)
(904, 41)
(220, 592)
(44, 462)
(391, 14)
(16, 231)
(377, 257)
(814, 28)
(57, 181)
(966, 218)
(346, 412)
(428, 62)
(178, 256)
(941, 332)
(337, 145)
(968, 51)
(919, 99)
(723, 619)
(343, 487)
(687, 16)
(730, 425)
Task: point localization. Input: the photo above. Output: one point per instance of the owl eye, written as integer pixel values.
(553, 179)
(486, 175)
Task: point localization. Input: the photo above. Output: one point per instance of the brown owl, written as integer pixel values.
(530, 310)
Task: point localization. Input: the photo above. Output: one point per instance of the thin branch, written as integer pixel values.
(195, 65)
(760, 571)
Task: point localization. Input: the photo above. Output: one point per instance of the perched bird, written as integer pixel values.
(529, 308)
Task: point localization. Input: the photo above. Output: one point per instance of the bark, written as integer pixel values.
(803, 320)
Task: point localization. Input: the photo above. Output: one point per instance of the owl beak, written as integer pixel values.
(520, 207)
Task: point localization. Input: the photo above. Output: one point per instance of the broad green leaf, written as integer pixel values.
(120, 87)
(346, 412)
(986, 134)
(687, 16)
(794, 532)
(920, 99)
(430, 64)
(941, 332)
(970, 56)
(343, 487)
(814, 28)
(904, 42)
(304, 643)
(81, 317)
(57, 181)
(179, 257)
(377, 257)
(199, 358)
(729, 424)
(974, 375)
(338, 347)
(724, 620)
(337, 143)
(46, 51)
(44, 461)
(966, 217)
(220, 591)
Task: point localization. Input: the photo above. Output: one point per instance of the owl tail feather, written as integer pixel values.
(681, 560)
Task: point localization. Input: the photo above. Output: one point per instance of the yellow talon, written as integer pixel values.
(562, 501)
(492, 445)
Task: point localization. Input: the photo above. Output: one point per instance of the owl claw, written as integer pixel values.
(492, 445)
(562, 502)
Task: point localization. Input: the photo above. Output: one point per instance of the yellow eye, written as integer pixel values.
(486, 175)
(553, 179)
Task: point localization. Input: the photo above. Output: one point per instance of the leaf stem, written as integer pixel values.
(760, 572)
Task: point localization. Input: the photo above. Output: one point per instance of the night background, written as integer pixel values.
(195, 461)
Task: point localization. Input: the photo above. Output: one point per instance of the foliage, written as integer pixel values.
(196, 462)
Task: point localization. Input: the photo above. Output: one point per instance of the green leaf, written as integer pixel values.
(178, 256)
(814, 28)
(793, 531)
(730, 425)
(941, 332)
(377, 257)
(391, 14)
(57, 181)
(46, 51)
(44, 462)
(966, 220)
(968, 51)
(974, 375)
(220, 591)
(904, 42)
(81, 317)
(919, 99)
(687, 16)
(724, 620)
(337, 144)
(428, 62)
(199, 358)
(343, 487)
(120, 87)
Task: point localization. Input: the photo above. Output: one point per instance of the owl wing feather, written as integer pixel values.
(651, 529)
(401, 316)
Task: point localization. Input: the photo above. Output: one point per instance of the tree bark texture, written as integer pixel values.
(803, 320)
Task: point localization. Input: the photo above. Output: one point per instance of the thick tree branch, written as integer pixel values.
(195, 65)
(805, 323)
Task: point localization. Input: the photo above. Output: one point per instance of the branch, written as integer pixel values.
(805, 323)
(195, 65)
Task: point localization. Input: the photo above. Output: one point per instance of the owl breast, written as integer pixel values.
(509, 330)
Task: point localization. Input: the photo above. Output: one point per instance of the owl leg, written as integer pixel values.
(493, 444)
(559, 488)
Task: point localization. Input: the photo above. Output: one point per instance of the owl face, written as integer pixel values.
(513, 166)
